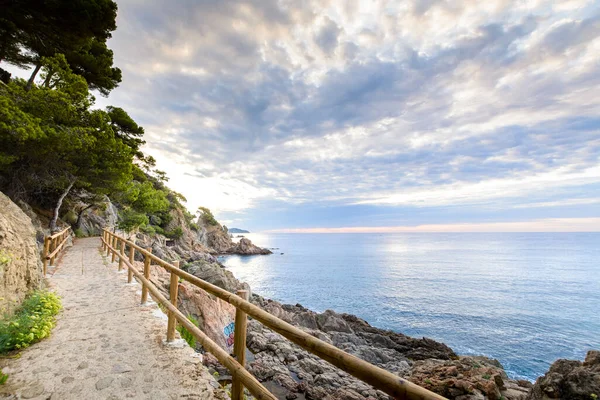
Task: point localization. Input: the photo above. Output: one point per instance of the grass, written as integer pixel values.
(32, 321)
(486, 376)
(187, 335)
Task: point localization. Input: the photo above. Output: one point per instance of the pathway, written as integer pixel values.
(105, 345)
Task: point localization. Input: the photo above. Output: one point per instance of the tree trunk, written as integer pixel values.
(32, 77)
(48, 77)
(58, 205)
(78, 223)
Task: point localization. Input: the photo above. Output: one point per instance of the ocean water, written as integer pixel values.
(525, 299)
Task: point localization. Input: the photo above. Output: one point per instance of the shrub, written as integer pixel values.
(3, 378)
(32, 322)
(207, 216)
(194, 226)
(148, 229)
(187, 335)
(131, 219)
(79, 233)
(176, 233)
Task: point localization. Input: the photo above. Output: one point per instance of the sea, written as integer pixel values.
(525, 299)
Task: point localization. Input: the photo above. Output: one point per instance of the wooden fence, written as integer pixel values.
(379, 378)
(53, 245)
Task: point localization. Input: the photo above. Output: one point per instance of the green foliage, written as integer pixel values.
(486, 376)
(32, 30)
(194, 226)
(32, 322)
(594, 396)
(131, 219)
(79, 233)
(147, 229)
(187, 335)
(207, 216)
(5, 258)
(175, 233)
(144, 197)
(3, 378)
(50, 137)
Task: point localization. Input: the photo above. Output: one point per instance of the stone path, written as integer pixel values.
(105, 345)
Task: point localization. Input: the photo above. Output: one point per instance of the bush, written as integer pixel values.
(148, 229)
(207, 216)
(194, 226)
(176, 233)
(79, 233)
(131, 219)
(187, 335)
(32, 322)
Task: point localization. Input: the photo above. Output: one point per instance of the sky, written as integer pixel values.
(319, 116)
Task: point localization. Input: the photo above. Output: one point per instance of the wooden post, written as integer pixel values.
(115, 247)
(108, 242)
(122, 255)
(173, 289)
(239, 346)
(103, 239)
(45, 253)
(52, 248)
(146, 275)
(131, 261)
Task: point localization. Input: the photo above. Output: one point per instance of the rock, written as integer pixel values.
(245, 247)
(32, 390)
(98, 216)
(568, 379)
(20, 264)
(467, 378)
(104, 383)
(83, 365)
(121, 368)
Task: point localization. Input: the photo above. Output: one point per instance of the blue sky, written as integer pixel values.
(370, 115)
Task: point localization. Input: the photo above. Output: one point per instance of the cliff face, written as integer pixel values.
(20, 264)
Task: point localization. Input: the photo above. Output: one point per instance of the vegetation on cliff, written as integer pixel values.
(32, 322)
(55, 147)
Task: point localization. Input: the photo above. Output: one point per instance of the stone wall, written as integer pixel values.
(20, 264)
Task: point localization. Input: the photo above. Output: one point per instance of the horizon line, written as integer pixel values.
(556, 225)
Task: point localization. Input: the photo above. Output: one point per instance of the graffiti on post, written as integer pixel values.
(228, 331)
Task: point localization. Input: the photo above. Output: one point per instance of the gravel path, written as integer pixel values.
(105, 345)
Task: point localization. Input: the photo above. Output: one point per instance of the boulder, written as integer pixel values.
(20, 263)
(569, 379)
(94, 219)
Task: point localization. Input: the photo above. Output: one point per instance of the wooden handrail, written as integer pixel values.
(379, 378)
(52, 248)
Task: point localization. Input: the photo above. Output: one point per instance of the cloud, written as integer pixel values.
(409, 104)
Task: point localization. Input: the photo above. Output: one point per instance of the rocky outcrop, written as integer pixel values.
(98, 216)
(20, 265)
(567, 379)
(245, 247)
(468, 378)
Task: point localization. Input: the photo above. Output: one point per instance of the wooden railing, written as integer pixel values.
(53, 245)
(379, 378)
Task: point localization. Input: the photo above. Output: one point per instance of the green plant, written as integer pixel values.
(428, 381)
(79, 233)
(148, 229)
(187, 335)
(207, 216)
(194, 226)
(594, 396)
(32, 322)
(486, 376)
(5, 258)
(3, 378)
(175, 233)
(131, 219)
